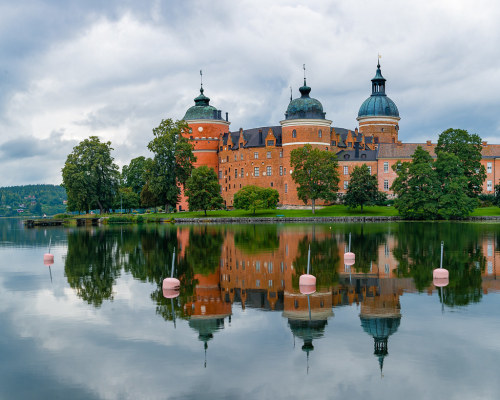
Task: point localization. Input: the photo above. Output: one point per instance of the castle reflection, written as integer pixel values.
(258, 266)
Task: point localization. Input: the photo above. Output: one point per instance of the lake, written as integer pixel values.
(96, 324)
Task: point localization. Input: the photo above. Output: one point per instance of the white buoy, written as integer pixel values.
(171, 283)
(440, 276)
(307, 282)
(349, 258)
(48, 259)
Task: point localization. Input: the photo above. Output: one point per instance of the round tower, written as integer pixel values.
(378, 116)
(206, 125)
(304, 123)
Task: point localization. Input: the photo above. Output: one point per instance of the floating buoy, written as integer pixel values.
(171, 283)
(349, 258)
(441, 276)
(307, 282)
(48, 259)
(170, 293)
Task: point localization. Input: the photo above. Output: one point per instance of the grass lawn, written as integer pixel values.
(486, 212)
(330, 211)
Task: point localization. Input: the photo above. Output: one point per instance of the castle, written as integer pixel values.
(261, 156)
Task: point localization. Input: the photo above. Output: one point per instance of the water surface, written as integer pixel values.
(96, 324)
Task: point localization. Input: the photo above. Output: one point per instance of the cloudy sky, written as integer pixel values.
(115, 69)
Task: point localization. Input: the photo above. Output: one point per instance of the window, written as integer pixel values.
(346, 184)
(272, 184)
(256, 155)
(489, 186)
(242, 174)
(294, 133)
(257, 283)
(281, 170)
(270, 267)
(334, 142)
(387, 268)
(346, 170)
(270, 142)
(489, 168)
(227, 158)
(270, 283)
(221, 148)
(256, 171)
(386, 250)
(349, 144)
(268, 171)
(220, 174)
(386, 166)
(370, 170)
(257, 266)
(286, 187)
(235, 157)
(281, 154)
(242, 156)
(236, 172)
(320, 134)
(386, 184)
(490, 267)
(268, 154)
(282, 266)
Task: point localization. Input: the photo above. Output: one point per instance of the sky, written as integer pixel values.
(115, 69)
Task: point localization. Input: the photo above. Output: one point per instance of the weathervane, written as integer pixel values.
(304, 66)
(378, 61)
(201, 78)
(290, 94)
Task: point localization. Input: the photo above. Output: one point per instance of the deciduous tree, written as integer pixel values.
(90, 176)
(203, 190)
(362, 189)
(255, 197)
(172, 162)
(134, 174)
(315, 173)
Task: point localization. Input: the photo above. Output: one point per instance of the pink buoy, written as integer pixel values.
(170, 293)
(441, 275)
(307, 280)
(440, 282)
(171, 284)
(307, 289)
(48, 258)
(349, 258)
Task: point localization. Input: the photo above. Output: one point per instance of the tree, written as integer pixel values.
(133, 175)
(253, 197)
(203, 190)
(497, 195)
(315, 173)
(467, 148)
(362, 189)
(172, 162)
(126, 199)
(90, 176)
(147, 197)
(454, 199)
(417, 187)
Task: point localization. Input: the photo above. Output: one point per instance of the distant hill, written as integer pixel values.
(32, 200)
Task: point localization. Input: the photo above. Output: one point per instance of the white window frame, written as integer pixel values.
(256, 171)
(386, 166)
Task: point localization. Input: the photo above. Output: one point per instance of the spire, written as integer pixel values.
(202, 100)
(378, 82)
(291, 94)
(304, 66)
(304, 90)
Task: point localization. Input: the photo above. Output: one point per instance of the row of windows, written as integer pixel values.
(346, 169)
(386, 185)
(320, 133)
(256, 172)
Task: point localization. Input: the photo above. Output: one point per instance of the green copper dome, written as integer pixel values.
(202, 109)
(378, 104)
(305, 106)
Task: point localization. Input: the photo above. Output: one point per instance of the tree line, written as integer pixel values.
(32, 200)
(445, 188)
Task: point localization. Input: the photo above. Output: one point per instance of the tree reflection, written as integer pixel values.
(256, 238)
(92, 265)
(418, 251)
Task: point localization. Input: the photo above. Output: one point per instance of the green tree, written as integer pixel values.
(90, 176)
(133, 175)
(454, 201)
(417, 187)
(362, 189)
(147, 197)
(467, 148)
(203, 190)
(315, 174)
(172, 162)
(126, 199)
(497, 195)
(254, 197)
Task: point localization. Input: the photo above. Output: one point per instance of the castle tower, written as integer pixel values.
(205, 126)
(378, 116)
(304, 123)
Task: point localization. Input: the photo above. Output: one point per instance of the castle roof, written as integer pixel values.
(253, 137)
(305, 107)
(403, 150)
(202, 109)
(360, 155)
(378, 104)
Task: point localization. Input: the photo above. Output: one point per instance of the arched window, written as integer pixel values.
(320, 134)
(294, 133)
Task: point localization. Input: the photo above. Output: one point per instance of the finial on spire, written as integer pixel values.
(304, 66)
(201, 81)
(291, 94)
(378, 60)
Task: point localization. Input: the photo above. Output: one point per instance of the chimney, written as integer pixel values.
(227, 117)
(219, 112)
(428, 143)
(356, 149)
(356, 130)
(215, 114)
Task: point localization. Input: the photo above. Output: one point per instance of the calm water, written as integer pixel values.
(96, 325)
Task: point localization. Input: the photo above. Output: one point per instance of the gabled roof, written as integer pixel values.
(363, 155)
(403, 150)
(253, 137)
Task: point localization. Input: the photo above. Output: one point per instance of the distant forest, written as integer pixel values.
(31, 200)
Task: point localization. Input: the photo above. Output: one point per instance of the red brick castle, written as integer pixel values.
(261, 156)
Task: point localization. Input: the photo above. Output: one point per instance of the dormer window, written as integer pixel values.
(346, 156)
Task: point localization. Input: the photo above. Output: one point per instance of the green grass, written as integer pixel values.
(330, 211)
(486, 212)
